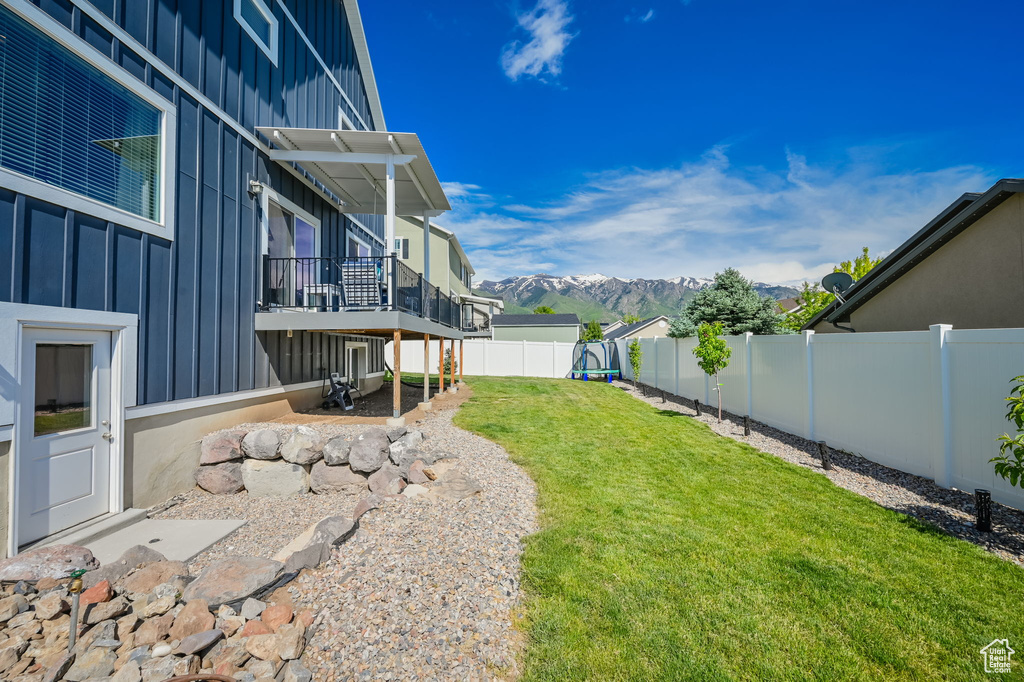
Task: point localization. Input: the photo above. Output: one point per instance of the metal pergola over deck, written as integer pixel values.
(374, 172)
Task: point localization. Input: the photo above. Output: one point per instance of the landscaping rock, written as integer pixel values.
(154, 630)
(104, 630)
(252, 608)
(262, 444)
(277, 615)
(396, 432)
(59, 668)
(416, 473)
(93, 663)
(371, 501)
(143, 581)
(291, 641)
(335, 479)
(57, 562)
(264, 647)
(108, 610)
(456, 486)
(100, 592)
(303, 446)
(333, 530)
(369, 451)
(224, 446)
(50, 606)
(254, 628)
(195, 643)
(232, 579)
(309, 557)
(274, 479)
(159, 607)
(129, 672)
(132, 558)
(294, 671)
(387, 480)
(192, 619)
(414, 490)
(405, 460)
(12, 606)
(336, 451)
(221, 479)
(158, 669)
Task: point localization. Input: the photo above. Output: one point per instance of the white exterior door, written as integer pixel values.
(63, 434)
(355, 373)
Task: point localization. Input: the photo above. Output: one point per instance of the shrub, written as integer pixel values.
(448, 360)
(713, 354)
(1011, 466)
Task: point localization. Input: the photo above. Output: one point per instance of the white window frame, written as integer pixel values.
(38, 189)
(402, 246)
(266, 196)
(272, 49)
(344, 122)
(358, 240)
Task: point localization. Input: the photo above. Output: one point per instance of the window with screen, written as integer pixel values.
(65, 123)
(258, 20)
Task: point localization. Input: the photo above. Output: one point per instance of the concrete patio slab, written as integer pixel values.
(176, 539)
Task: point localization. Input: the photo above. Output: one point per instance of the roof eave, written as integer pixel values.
(355, 21)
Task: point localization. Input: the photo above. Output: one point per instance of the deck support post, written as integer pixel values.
(389, 218)
(425, 405)
(451, 368)
(460, 360)
(440, 364)
(396, 418)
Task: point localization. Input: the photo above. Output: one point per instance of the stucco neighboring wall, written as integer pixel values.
(657, 330)
(975, 281)
(569, 334)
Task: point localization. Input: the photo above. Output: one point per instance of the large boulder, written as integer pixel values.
(369, 451)
(406, 458)
(262, 444)
(387, 480)
(412, 440)
(335, 479)
(417, 474)
(336, 451)
(220, 479)
(58, 562)
(303, 446)
(274, 479)
(333, 530)
(132, 558)
(223, 446)
(232, 579)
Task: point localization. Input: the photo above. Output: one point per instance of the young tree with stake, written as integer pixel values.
(636, 359)
(712, 354)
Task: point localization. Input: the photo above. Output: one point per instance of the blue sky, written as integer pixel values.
(672, 138)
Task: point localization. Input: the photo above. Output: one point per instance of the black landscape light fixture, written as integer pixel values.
(983, 509)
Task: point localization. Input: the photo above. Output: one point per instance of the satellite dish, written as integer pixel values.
(837, 283)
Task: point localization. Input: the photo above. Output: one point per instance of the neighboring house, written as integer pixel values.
(448, 269)
(198, 203)
(609, 327)
(964, 268)
(651, 328)
(789, 305)
(557, 327)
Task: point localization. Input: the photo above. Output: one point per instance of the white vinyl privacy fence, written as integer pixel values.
(930, 403)
(546, 359)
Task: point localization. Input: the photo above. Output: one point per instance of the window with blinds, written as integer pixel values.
(259, 22)
(65, 123)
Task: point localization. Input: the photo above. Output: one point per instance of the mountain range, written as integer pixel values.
(605, 299)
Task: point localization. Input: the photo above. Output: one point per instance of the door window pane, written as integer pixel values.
(63, 400)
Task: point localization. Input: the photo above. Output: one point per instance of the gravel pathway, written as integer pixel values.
(427, 590)
(950, 509)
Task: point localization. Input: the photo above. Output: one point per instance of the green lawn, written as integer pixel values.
(667, 552)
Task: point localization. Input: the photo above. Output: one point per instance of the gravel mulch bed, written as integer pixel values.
(952, 510)
(424, 590)
(427, 590)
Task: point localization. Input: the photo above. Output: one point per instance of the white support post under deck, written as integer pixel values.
(389, 219)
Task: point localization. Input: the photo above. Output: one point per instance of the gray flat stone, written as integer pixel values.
(232, 579)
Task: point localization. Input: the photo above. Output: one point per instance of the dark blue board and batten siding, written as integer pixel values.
(196, 295)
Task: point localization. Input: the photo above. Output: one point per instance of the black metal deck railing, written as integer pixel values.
(368, 283)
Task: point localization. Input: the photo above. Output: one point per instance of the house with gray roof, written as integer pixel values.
(558, 327)
(652, 327)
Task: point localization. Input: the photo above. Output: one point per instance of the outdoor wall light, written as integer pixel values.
(983, 510)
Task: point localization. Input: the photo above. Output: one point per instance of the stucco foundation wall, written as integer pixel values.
(5, 498)
(975, 281)
(162, 451)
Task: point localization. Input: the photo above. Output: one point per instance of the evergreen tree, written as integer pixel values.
(682, 327)
(543, 310)
(593, 332)
(732, 301)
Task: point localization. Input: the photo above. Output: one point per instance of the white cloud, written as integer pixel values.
(705, 215)
(647, 17)
(547, 25)
(642, 18)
